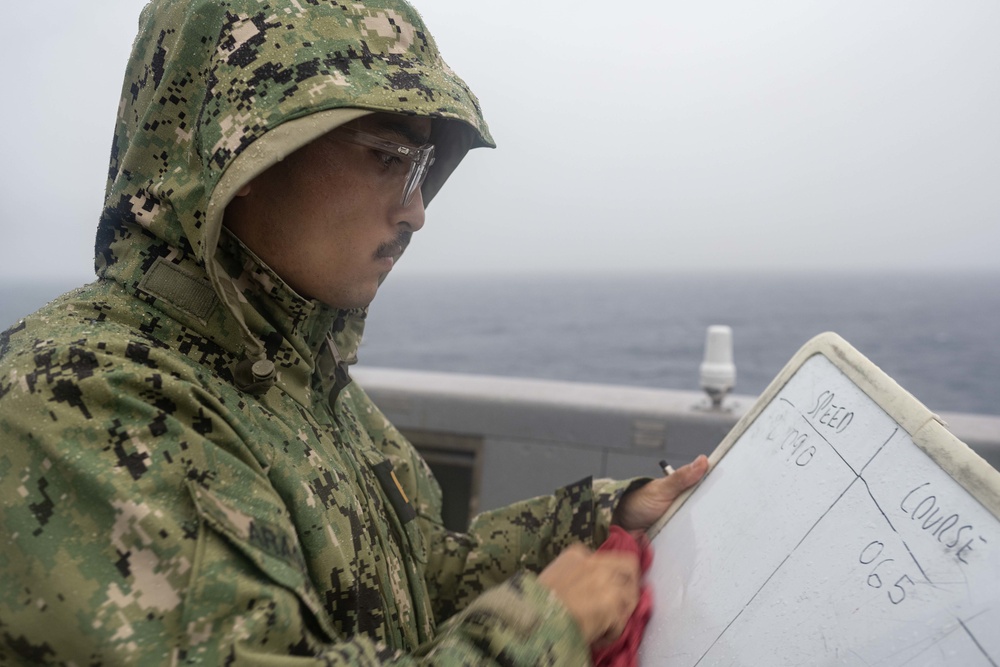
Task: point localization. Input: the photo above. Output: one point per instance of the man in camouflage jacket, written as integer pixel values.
(188, 474)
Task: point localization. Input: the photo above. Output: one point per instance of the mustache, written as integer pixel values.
(394, 247)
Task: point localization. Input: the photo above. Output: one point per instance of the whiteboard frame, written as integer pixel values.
(927, 430)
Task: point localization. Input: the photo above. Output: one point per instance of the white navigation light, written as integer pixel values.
(718, 373)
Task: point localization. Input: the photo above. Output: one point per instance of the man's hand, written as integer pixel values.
(600, 590)
(640, 509)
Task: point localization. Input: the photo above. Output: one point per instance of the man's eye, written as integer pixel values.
(388, 160)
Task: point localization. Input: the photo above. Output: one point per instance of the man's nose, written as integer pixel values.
(412, 215)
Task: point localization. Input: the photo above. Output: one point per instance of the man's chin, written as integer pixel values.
(360, 297)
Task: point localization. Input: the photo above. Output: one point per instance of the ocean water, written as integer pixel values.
(938, 335)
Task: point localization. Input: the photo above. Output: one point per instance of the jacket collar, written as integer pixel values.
(301, 336)
(308, 341)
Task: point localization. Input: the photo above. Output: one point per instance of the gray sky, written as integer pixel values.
(658, 135)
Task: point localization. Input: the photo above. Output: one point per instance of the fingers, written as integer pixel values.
(643, 506)
(665, 490)
(620, 568)
(685, 477)
(600, 590)
(623, 596)
(617, 594)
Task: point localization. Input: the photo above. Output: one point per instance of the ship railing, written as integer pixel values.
(494, 440)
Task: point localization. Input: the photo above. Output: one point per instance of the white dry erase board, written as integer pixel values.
(840, 524)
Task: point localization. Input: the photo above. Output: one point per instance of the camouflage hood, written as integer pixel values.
(218, 92)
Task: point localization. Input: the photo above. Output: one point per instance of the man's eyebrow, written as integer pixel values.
(405, 131)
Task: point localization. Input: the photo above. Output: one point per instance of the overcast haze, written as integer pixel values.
(648, 135)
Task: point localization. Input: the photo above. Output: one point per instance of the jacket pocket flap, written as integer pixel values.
(270, 545)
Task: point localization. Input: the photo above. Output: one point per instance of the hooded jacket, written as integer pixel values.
(188, 473)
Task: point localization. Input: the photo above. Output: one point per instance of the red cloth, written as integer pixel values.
(624, 651)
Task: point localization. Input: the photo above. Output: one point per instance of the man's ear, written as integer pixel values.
(244, 191)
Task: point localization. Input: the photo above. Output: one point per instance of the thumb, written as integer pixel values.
(685, 477)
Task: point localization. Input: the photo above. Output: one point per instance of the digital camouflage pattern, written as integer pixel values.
(162, 506)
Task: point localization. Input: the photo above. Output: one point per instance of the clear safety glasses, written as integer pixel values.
(420, 158)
